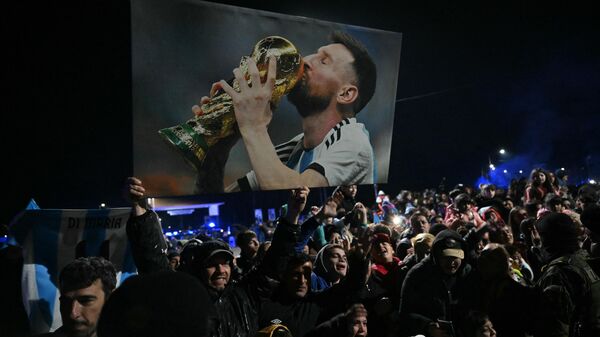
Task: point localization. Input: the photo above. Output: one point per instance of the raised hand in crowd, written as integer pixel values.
(536, 240)
(359, 260)
(361, 213)
(296, 204)
(329, 209)
(134, 192)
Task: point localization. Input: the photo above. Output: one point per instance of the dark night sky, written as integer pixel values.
(523, 78)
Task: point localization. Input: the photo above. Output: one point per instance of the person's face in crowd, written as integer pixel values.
(487, 330)
(479, 247)
(250, 248)
(551, 177)
(336, 239)
(336, 263)
(329, 220)
(359, 323)
(218, 271)
(349, 191)
(492, 217)
(80, 309)
(420, 223)
(296, 281)
(324, 74)
(382, 252)
(438, 220)
(508, 204)
(539, 178)
(174, 262)
(522, 215)
(450, 264)
(507, 235)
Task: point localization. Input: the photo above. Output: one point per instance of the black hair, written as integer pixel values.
(532, 208)
(363, 66)
(551, 200)
(84, 271)
(297, 259)
(329, 230)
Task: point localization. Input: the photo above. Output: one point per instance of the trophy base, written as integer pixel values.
(186, 141)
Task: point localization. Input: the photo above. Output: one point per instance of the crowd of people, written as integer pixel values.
(467, 262)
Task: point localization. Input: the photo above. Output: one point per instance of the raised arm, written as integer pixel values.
(144, 232)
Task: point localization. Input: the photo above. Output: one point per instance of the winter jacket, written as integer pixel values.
(428, 294)
(570, 298)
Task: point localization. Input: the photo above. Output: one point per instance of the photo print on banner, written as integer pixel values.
(180, 48)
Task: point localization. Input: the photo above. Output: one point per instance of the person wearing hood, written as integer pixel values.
(331, 266)
(435, 291)
(570, 289)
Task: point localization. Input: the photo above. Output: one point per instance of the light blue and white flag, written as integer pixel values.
(51, 238)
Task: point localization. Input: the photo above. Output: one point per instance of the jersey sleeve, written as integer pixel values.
(346, 157)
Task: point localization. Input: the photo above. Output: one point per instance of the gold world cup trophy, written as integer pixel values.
(193, 138)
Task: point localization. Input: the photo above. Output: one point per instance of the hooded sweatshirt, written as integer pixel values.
(428, 294)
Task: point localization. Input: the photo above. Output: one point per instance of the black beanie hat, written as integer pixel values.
(559, 233)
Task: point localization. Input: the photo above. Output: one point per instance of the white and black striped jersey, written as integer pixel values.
(344, 157)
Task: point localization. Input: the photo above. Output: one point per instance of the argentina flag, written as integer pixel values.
(51, 238)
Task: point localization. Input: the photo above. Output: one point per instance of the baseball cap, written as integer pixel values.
(208, 249)
(453, 248)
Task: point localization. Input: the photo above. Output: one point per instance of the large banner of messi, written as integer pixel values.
(332, 103)
(52, 238)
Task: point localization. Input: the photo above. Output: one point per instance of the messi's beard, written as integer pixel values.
(305, 103)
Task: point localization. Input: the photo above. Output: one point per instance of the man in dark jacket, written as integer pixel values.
(211, 262)
(85, 285)
(570, 288)
(434, 291)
